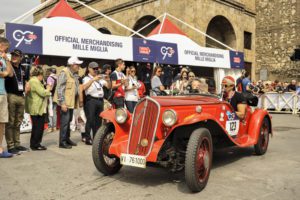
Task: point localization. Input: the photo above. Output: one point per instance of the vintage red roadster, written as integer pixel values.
(177, 132)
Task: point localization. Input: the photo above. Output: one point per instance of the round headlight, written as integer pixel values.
(169, 117)
(121, 115)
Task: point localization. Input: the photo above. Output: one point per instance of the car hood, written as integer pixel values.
(185, 100)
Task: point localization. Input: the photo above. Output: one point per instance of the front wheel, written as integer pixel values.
(263, 138)
(104, 162)
(198, 159)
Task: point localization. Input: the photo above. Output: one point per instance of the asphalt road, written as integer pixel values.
(236, 174)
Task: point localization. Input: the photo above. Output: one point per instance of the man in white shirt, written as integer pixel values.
(93, 84)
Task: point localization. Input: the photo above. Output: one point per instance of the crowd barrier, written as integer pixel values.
(288, 102)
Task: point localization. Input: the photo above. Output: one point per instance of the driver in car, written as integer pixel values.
(236, 99)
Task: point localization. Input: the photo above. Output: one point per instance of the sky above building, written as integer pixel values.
(11, 9)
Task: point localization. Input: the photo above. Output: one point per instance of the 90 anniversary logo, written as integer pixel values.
(167, 51)
(26, 36)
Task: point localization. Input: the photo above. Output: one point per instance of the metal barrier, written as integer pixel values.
(288, 102)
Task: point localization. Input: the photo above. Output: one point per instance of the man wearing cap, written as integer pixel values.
(93, 84)
(5, 71)
(236, 99)
(67, 97)
(16, 103)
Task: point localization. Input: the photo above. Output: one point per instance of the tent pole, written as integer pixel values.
(109, 18)
(30, 12)
(162, 23)
(147, 25)
(228, 47)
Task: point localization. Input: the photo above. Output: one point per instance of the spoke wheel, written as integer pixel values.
(263, 139)
(104, 162)
(198, 159)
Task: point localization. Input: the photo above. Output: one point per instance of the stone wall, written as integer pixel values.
(277, 35)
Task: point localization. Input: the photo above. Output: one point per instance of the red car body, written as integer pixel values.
(145, 134)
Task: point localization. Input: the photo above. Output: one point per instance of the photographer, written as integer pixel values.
(93, 84)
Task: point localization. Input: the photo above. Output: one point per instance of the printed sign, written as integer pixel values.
(190, 53)
(27, 38)
(233, 124)
(167, 53)
(144, 50)
(237, 60)
(232, 127)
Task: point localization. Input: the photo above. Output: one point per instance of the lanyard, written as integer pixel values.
(94, 83)
(16, 75)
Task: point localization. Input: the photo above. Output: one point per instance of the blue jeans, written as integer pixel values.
(65, 120)
(130, 105)
(53, 119)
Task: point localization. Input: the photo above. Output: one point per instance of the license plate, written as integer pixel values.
(133, 160)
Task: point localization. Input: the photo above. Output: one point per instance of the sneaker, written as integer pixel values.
(22, 149)
(14, 151)
(5, 154)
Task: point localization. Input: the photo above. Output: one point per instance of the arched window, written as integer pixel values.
(221, 29)
(144, 21)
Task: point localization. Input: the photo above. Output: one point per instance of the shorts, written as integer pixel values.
(4, 109)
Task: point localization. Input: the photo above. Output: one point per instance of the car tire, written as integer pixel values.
(263, 139)
(198, 159)
(105, 163)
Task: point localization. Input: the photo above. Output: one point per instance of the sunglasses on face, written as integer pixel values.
(226, 86)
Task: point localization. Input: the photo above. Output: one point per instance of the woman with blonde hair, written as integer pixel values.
(36, 105)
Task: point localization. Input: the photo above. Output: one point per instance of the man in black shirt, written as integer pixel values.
(236, 99)
(292, 86)
(15, 88)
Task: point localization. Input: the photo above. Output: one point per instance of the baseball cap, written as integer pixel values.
(17, 52)
(93, 65)
(106, 66)
(73, 60)
(228, 80)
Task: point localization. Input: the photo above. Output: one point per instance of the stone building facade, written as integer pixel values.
(277, 35)
(230, 21)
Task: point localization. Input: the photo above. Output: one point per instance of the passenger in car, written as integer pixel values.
(236, 99)
(198, 87)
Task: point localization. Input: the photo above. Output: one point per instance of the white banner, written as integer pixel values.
(67, 37)
(190, 53)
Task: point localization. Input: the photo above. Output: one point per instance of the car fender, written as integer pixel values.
(120, 129)
(256, 121)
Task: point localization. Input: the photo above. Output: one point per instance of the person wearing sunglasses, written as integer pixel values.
(131, 90)
(93, 85)
(236, 99)
(156, 84)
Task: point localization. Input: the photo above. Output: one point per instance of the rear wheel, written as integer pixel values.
(198, 159)
(263, 139)
(104, 162)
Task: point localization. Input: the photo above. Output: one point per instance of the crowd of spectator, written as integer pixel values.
(244, 84)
